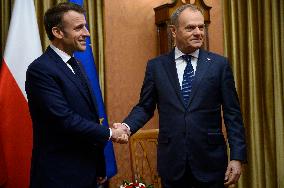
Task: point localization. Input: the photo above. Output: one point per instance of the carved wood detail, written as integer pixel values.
(143, 156)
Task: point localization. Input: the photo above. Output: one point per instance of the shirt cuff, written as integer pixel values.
(126, 126)
(110, 133)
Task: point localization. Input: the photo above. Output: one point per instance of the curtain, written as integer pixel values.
(254, 43)
(95, 23)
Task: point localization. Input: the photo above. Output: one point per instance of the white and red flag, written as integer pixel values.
(22, 47)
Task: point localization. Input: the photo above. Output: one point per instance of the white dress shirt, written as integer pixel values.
(181, 63)
(64, 56)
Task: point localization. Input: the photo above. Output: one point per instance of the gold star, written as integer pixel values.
(101, 121)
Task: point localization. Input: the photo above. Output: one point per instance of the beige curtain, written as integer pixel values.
(254, 43)
(95, 23)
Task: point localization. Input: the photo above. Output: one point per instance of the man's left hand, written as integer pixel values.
(233, 173)
(101, 180)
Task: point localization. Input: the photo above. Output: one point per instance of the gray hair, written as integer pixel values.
(178, 11)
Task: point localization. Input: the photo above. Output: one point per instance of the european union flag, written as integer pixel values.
(87, 60)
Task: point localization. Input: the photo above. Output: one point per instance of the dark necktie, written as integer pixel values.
(188, 77)
(78, 73)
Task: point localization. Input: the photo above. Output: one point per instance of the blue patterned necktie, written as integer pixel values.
(188, 77)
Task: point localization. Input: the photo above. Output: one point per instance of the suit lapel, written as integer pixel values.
(203, 65)
(170, 66)
(62, 65)
(92, 94)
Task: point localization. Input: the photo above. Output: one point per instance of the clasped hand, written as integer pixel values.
(120, 133)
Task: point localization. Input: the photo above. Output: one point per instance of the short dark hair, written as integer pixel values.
(53, 16)
(178, 11)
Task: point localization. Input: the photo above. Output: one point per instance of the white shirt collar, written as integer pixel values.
(64, 56)
(178, 53)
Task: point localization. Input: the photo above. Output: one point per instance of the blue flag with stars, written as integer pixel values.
(87, 59)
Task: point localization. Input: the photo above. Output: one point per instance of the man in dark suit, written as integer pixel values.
(68, 145)
(190, 86)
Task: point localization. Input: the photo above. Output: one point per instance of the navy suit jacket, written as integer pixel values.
(68, 142)
(192, 135)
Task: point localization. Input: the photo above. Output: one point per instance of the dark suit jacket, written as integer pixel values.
(68, 142)
(192, 133)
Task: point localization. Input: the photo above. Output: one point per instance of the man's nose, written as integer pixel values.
(197, 31)
(86, 32)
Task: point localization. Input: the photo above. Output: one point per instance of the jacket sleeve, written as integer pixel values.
(144, 110)
(232, 116)
(44, 92)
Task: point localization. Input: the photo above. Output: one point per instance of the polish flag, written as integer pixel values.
(22, 47)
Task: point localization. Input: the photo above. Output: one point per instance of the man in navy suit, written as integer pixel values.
(191, 149)
(68, 145)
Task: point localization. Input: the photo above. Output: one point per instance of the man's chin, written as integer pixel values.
(197, 45)
(81, 49)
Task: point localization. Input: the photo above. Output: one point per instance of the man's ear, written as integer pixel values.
(57, 32)
(173, 30)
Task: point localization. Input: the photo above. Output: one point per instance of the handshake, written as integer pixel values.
(120, 133)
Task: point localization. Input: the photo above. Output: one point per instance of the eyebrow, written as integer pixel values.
(195, 25)
(80, 25)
